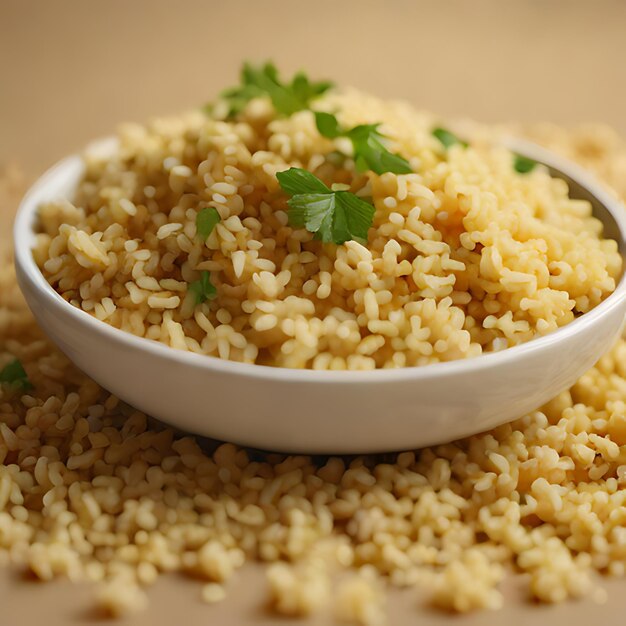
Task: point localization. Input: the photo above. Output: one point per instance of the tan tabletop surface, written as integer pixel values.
(70, 70)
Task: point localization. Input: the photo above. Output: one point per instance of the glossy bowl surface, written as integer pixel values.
(321, 411)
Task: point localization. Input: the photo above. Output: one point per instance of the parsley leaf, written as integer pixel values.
(369, 151)
(305, 90)
(523, 164)
(371, 154)
(327, 125)
(298, 181)
(263, 80)
(206, 220)
(14, 374)
(447, 138)
(203, 289)
(334, 216)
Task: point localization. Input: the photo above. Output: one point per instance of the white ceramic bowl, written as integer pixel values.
(321, 411)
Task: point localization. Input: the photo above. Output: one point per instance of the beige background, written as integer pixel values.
(70, 70)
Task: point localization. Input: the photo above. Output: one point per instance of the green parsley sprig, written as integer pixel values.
(14, 374)
(333, 215)
(447, 138)
(206, 220)
(523, 164)
(203, 289)
(369, 151)
(263, 80)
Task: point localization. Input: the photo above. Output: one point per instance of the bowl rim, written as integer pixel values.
(71, 165)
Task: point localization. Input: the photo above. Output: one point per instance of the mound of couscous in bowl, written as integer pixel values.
(299, 225)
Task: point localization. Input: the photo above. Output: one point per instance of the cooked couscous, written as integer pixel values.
(339, 231)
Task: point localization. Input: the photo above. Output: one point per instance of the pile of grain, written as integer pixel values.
(465, 255)
(91, 489)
